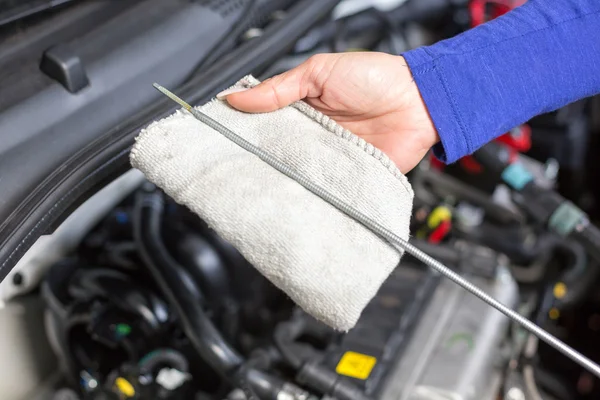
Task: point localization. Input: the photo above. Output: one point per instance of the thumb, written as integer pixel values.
(274, 93)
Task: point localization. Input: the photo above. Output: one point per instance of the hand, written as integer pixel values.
(371, 94)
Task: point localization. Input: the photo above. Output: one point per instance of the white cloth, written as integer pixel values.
(329, 264)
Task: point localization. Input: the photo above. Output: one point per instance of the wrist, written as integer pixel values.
(417, 109)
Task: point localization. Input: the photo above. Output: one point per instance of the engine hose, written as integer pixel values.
(309, 373)
(284, 335)
(579, 263)
(533, 273)
(204, 264)
(578, 279)
(575, 282)
(205, 338)
(509, 241)
(328, 382)
(577, 290)
(447, 254)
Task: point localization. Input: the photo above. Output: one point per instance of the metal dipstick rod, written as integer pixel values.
(389, 236)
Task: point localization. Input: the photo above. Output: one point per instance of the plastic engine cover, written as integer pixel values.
(454, 349)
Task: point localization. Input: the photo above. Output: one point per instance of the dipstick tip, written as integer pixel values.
(172, 96)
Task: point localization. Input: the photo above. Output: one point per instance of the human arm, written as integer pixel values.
(469, 89)
(535, 59)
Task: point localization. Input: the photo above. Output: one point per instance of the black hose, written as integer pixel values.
(310, 373)
(328, 382)
(467, 257)
(534, 272)
(284, 335)
(119, 289)
(204, 264)
(578, 263)
(589, 236)
(511, 242)
(205, 338)
(581, 276)
(263, 385)
(447, 254)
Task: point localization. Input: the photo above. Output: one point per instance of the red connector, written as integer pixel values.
(483, 11)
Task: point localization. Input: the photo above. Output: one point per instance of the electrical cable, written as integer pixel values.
(388, 235)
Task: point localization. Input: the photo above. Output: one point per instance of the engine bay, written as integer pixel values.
(132, 296)
(120, 331)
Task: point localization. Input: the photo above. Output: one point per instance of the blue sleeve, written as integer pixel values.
(490, 79)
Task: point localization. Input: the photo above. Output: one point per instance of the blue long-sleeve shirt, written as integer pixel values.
(490, 79)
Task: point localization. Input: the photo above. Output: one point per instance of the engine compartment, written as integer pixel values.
(133, 297)
(117, 329)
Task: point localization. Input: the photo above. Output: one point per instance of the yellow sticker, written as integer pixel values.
(125, 387)
(356, 365)
(560, 290)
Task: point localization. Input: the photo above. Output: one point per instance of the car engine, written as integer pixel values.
(121, 333)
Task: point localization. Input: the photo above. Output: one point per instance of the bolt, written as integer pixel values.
(252, 33)
(551, 168)
(17, 279)
(514, 393)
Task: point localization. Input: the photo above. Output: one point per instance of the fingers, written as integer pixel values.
(274, 93)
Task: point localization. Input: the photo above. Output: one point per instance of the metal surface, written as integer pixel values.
(386, 234)
(455, 346)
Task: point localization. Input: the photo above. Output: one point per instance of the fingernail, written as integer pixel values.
(227, 92)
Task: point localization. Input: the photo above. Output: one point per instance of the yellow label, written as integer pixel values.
(125, 387)
(356, 365)
(438, 215)
(560, 290)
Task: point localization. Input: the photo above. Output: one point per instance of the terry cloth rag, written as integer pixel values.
(329, 264)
